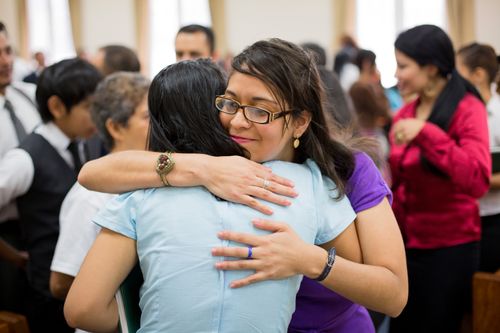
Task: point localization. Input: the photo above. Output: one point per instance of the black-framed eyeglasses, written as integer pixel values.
(251, 113)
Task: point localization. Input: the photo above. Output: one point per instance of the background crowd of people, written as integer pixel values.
(415, 213)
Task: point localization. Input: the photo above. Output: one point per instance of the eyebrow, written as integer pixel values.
(254, 99)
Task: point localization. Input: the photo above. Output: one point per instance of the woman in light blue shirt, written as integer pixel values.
(172, 230)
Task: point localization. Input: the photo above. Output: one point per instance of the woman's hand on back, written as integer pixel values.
(240, 180)
(274, 256)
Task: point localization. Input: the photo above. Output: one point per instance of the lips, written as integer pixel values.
(401, 86)
(240, 139)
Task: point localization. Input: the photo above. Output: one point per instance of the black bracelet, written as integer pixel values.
(328, 266)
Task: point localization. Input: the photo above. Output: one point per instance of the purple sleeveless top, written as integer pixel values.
(318, 309)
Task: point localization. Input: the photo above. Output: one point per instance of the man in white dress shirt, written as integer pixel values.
(18, 117)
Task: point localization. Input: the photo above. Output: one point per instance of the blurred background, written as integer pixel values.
(63, 28)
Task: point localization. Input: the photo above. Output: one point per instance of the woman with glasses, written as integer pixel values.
(171, 231)
(257, 88)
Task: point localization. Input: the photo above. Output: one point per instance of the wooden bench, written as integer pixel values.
(4, 328)
(15, 323)
(486, 302)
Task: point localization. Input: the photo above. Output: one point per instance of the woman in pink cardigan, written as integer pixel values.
(440, 166)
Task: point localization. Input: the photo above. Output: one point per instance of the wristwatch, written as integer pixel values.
(164, 164)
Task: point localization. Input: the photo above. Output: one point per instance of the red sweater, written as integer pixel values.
(435, 211)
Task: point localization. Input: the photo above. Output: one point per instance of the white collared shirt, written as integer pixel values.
(490, 203)
(24, 110)
(17, 169)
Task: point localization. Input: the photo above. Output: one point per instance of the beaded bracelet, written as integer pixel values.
(164, 164)
(328, 266)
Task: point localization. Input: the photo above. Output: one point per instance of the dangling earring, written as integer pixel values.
(296, 143)
(431, 90)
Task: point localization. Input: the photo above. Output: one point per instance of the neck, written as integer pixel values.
(485, 92)
(117, 147)
(2, 90)
(428, 98)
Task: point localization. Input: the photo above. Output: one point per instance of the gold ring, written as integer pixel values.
(400, 136)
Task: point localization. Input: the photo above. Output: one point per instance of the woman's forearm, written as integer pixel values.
(375, 287)
(132, 170)
(90, 303)
(233, 178)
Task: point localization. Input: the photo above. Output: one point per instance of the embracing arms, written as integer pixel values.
(240, 181)
(91, 304)
(379, 283)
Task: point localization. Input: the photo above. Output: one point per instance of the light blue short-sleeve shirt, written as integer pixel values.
(175, 230)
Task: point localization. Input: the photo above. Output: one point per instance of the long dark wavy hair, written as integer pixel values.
(183, 117)
(292, 76)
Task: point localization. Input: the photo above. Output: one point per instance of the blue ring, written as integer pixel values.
(249, 256)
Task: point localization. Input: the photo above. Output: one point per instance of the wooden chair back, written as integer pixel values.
(486, 302)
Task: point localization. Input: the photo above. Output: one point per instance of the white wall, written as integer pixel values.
(8, 15)
(488, 23)
(113, 21)
(293, 20)
(108, 22)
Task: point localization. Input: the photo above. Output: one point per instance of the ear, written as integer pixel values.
(432, 70)
(301, 123)
(479, 75)
(115, 130)
(56, 107)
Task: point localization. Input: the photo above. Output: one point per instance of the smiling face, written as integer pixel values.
(264, 142)
(412, 78)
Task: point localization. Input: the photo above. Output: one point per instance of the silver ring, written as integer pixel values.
(249, 255)
(266, 183)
